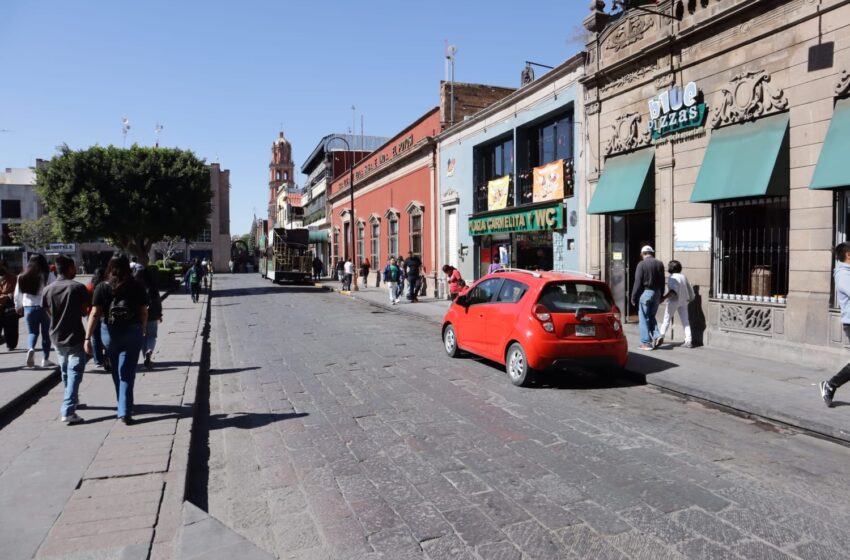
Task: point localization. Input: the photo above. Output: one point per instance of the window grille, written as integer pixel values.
(416, 234)
(361, 242)
(375, 242)
(751, 249)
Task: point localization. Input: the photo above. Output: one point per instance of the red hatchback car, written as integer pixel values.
(534, 321)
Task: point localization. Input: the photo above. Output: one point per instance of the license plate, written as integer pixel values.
(585, 330)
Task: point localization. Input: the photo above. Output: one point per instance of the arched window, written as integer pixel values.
(277, 176)
(414, 212)
(375, 240)
(392, 233)
(361, 241)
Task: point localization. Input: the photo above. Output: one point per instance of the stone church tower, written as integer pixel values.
(281, 173)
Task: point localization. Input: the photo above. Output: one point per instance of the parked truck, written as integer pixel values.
(285, 256)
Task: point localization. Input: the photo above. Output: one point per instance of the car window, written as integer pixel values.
(565, 297)
(511, 291)
(484, 291)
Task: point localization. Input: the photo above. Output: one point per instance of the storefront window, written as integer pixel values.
(491, 162)
(375, 242)
(551, 141)
(361, 242)
(416, 234)
(751, 249)
(392, 236)
(842, 228)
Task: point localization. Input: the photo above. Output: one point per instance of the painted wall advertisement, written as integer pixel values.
(497, 193)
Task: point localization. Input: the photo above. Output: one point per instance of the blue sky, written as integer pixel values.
(223, 76)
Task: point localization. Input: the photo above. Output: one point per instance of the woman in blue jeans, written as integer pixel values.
(28, 294)
(120, 308)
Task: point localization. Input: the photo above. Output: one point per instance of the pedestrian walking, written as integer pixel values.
(646, 295)
(679, 294)
(841, 277)
(98, 354)
(340, 270)
(149, 281)
(391, 276)
(348, 274)
(412, 270)
(317, 268)
(9, 318)
(135, 265)
(29, 292)
(230, 266)
(120, 309)
(364, 272)
(496, 263)
(193, 280)
(66, 302)
(454, 280)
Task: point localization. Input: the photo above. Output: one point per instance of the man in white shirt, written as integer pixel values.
(348, 274)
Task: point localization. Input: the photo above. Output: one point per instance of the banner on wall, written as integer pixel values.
(549, 182)
(497, 193)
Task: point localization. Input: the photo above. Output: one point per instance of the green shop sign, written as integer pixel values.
(675, 110)
(537, 219)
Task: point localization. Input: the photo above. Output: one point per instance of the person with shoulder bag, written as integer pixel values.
(28, 298)
(9, 318)
(679, 294)
(120, 309)
(454, 280)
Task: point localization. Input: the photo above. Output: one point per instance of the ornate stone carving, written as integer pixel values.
(628, 78)
(630, 31)
(664, 80)
(746, 318)
(592, 107)
(842, 87)
(747, 96)
(628, 135)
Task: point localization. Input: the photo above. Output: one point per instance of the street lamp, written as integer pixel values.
(351, 207)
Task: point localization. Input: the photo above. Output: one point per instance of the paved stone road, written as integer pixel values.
(340, 431)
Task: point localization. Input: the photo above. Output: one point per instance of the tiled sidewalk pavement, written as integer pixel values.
(102, 489)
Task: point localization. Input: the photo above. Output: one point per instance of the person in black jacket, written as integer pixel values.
(646, 296)
(148, 278)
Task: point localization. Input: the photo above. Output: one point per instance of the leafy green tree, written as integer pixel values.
(35, 235)
(134, 196)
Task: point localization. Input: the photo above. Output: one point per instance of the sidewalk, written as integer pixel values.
(102, 489)
(773, 390)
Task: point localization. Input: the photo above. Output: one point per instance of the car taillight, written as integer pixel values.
(615, 312)
(616, 325)
(542, 314)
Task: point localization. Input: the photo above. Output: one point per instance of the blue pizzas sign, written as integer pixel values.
(675, 110)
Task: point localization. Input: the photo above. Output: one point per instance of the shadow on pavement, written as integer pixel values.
(239, 292)
(576, 378)
(247, 420)
(232, 370)
(643, 364)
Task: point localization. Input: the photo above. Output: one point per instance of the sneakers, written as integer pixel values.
(45, 363)
(30, 358)
(148, 361)
(72, 419)
(826, 393)
(657, 341)
(128, 420)
(647, 347)
(688, 345)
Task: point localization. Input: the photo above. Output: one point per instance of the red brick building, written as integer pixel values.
(396, 195)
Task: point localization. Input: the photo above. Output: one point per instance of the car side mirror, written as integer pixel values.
(462, 300)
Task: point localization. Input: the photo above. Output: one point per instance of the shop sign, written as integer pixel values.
(62, 248)
(549, 182)
(675, 110)
(693, 234)
(497, 193)
(537, 219)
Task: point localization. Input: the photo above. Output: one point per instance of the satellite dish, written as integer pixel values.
(526, 76)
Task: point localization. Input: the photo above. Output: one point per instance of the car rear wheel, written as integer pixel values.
(450, 342)
(516, 364)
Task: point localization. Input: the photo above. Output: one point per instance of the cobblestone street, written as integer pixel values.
(341, 431)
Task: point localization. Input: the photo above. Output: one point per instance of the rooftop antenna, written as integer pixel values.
(125, 128)
(157, 129)
(451, 51)
(353, 120)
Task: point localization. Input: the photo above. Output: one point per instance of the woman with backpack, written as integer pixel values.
(392, 273)
(679, 295)
(147, 277)
(454, 280)
(28, 296)
(120, 309)
(193, 279)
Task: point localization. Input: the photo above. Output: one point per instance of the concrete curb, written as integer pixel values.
(50, 378)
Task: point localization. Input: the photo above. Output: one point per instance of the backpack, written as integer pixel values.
(193, 276)
(392, 273)
(121, 313)
(461, 283)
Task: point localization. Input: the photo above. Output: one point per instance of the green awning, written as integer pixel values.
(627, 184)
(745, 161)
(832, 170)
(318, 236)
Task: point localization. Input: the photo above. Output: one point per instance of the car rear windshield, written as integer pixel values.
(566, 297)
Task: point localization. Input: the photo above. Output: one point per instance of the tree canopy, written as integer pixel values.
(134, 196)
(35, 234)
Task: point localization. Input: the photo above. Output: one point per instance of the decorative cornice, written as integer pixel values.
(630, 31)
(450, 196)
(628, 78)
(628, 135)
(746, 97)
(842, 86)
(592, 108)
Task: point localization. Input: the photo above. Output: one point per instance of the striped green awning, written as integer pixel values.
(627, 184)
(833, 170)
(745, 161)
